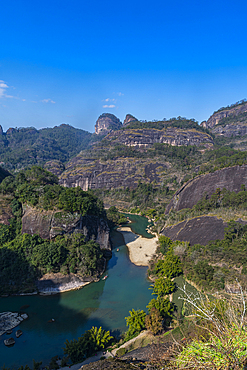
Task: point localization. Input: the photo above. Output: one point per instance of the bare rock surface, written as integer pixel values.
(228, 111)
(145, 138)
(129, 119)
(198, 230)
(126, 172)
(9, 320)
(106, 123)
(49, 224)
(57, 283)
(189, 194)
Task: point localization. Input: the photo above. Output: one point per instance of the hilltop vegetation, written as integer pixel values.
(24, 147)
(24, 257)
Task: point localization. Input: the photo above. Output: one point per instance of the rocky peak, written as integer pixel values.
(233, 110)
(129, 118)
(106, 123)
(1, 130)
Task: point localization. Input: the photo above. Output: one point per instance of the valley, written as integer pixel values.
(65, 191)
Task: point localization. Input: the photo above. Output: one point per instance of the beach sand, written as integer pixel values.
(140, 249)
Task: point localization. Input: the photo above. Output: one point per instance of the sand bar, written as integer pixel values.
(141, 249)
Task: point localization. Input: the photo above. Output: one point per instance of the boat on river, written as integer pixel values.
(105, 277)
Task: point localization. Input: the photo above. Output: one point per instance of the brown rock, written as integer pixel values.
(106, 123)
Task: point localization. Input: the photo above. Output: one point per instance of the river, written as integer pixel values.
(105, 303)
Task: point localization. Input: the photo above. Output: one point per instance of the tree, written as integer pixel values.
(163, 286)
(100, 337)
(153, 321)
(164, 243)
(136, 323)
(164, 306)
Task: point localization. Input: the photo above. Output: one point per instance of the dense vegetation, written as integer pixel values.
(85, 346)
(40, 188)
(24, 147)
(179, 122)
(24, 258)
(218, 264)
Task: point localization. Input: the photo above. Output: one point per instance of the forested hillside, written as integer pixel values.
(24, 147)
(25, 257)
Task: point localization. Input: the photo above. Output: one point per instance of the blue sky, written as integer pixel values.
(70, 61)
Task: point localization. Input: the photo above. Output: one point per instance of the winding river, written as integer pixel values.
(105, 303)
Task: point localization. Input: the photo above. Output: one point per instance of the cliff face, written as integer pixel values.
(49, 224)
(198, 230)
(129, 118)
(229, 121)
(189, 194)
(124, 172)
(145, 138)
(106, 123)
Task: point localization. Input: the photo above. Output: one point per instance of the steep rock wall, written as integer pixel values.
(49, 224)
(199, 230)
(124, 172)
(145, 138)
(189, 194)
(217, 116)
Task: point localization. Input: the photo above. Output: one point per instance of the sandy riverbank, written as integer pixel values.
(140, 249)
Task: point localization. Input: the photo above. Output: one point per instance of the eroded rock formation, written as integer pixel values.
(129, 119)
(49, 224)
(126, 172)
(145, 138)
(198, 230)
(189, 194)
(106, 123)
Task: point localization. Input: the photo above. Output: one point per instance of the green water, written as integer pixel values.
(139, 225)
(105, 304)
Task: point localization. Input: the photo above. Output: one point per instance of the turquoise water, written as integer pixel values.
(139, 225)
(105, 304)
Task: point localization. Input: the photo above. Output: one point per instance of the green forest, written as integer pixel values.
(24, 257)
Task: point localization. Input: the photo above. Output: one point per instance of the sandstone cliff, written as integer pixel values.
(129, 119)
(106, 123)
(189, 194)
(49, 224)
(145, 138)
(95, 174)
(230, 121)
(198, 230)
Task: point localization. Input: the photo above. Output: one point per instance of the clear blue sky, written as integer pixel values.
(71, 60)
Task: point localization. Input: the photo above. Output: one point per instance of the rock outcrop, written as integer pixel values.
(9, 320)
(106, 123)
(230, 121)
(125, 172)
(58, 283)
(145, 138)
(1, 130)
(49, 224)
(129, 119)
(198, 230)
(190, 193)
